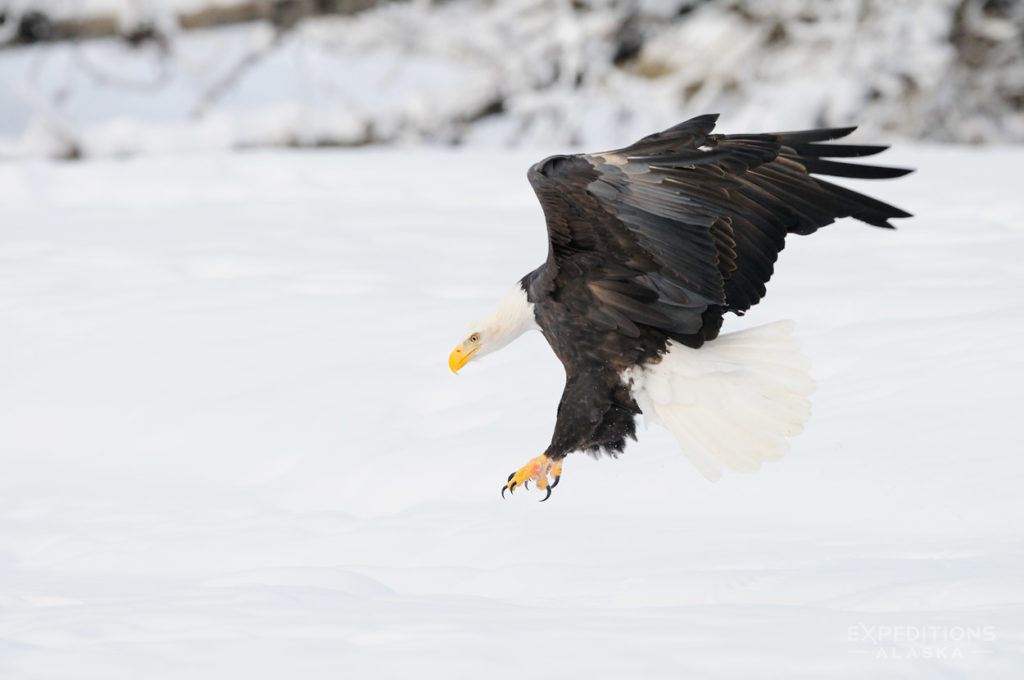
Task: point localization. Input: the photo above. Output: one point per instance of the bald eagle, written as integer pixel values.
(649, 247)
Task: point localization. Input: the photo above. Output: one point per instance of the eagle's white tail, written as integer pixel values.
(732, 402)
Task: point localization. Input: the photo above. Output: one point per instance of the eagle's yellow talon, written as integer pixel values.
(542, 470)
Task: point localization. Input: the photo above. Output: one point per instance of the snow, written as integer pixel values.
(231, 445)
(515, 73)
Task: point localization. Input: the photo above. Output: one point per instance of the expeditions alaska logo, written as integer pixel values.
(909, 642)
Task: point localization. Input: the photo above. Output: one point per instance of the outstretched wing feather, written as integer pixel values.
(684, 222)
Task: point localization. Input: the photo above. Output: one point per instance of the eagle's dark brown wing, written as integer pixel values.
(684, 225)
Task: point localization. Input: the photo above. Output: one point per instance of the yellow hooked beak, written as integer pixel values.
(459, 357)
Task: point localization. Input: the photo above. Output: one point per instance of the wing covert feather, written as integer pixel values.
(685, 223)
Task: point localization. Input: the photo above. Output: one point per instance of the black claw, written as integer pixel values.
(510, 477)
(526, 485)
(512, 487)
(548, 496)
(555, 483)
(503, 490)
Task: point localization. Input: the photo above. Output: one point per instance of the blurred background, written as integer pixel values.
(86, 78)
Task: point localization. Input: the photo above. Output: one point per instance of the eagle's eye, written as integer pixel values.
(474, 338)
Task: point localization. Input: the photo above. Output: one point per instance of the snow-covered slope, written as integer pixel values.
(230, 445)
(517, 72)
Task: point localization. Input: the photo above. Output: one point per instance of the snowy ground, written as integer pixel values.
(231, 446)
(513, 73)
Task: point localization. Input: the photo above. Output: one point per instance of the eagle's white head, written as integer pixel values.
(511, 318)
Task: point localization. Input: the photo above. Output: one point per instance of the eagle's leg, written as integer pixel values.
(540, 470)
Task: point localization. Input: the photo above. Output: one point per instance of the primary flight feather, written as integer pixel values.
(649, 247)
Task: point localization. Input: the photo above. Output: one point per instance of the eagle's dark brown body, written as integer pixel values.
(657, 241)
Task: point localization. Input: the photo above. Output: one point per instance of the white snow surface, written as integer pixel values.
(515, 73)
(231, 446)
